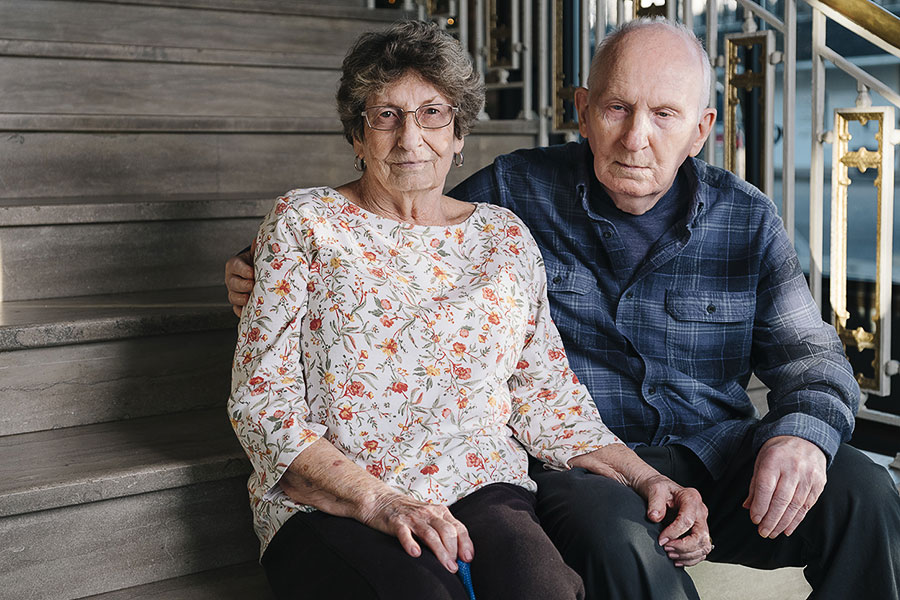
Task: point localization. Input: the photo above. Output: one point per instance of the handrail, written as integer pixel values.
(869, 16)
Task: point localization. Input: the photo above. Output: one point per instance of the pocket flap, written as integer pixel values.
(566, 278)
(710, 307)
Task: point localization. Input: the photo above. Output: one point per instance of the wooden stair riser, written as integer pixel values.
(66, 386)
(91, 548)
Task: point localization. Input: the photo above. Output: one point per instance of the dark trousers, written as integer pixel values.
(849, 543)
(316, 555)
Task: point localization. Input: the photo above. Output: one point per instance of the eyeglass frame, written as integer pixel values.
(454, 110)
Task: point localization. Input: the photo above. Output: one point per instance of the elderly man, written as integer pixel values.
(672, 281)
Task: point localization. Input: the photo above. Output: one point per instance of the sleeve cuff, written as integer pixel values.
(802, 426)
(297, 439)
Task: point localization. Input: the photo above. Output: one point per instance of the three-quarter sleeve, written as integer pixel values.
(553, 415)
(268, 407)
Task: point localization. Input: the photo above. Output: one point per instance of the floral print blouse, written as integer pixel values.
(426, 354)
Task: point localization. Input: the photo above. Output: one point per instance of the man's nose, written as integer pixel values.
(637, 132)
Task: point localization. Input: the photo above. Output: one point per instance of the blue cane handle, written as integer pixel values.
(465, 573)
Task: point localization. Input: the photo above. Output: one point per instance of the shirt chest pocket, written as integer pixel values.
(573, 300)
(709, 334)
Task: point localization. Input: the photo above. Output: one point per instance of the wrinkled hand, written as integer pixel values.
(686, 539)
(239, 279)
(406, 518)
(788, 478)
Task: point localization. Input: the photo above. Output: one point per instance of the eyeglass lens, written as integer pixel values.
(428, 116)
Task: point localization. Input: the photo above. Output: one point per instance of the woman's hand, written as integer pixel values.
(323, 477)
(686, 539)
(406, 519)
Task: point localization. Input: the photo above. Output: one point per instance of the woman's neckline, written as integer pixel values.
(371, 214)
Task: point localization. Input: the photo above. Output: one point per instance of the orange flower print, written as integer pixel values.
(277, 264)
(253, 336)
(567, 434)
(371, 445)
(430, 469)
(473, 460)
(377, 272)
(547, 395)
(555, 354)
(278, 414)
(370, 256)
(276, 248)
(356, 388)
(387, 322)
(315, 324)
(428, 447)
(439, 273)
(310, 287)
(462, 402)
(522, 364)
(459, 348)
(488, 294)
(345, 413)
(514, 249)
(462, 373)
(256, 380)
(574, 378)
(446, 412)
(575, 410)
(460, 236)
(375, 470)
(435, 243)
(385, 304)
(513, 231)
(464, 332)
(280, 208)
(494, 318)
(389, 347)
(288, 423)
(399, 387)
(282, 288)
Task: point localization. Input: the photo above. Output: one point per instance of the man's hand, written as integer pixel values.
(686, 539)
(239, 279)
(787, 479)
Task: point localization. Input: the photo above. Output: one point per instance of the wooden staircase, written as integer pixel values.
(141, 142)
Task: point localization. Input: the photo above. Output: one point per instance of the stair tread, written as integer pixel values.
(80, 319)
(89, 463)
(280, 7)
(144, 207)
(238, 582)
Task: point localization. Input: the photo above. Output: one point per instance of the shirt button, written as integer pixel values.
(607, 235)
(651, 390)
(629, 295)
(557, 279)
(711, 308)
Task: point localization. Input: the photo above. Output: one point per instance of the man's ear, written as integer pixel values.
(704, 128)
(582, 95)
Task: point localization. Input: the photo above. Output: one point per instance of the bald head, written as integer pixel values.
(654, 36)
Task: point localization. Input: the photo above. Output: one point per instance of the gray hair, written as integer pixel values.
(378, 59)
(609, 44)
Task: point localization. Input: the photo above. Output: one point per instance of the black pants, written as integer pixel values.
(849, 543)
(316, 555)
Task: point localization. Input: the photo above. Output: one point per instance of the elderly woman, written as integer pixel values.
(397, 362)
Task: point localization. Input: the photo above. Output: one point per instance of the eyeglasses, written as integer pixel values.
(428, 116)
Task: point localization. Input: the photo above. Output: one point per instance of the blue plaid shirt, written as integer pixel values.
(668, 352)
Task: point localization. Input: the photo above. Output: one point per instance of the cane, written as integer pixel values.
(465, 574)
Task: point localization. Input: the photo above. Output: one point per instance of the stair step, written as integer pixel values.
(92, 509)
(240, 582)
(76, 465)
(62, 321)
(78, 361)
(153, 88)
(229, 25)
(112, 209)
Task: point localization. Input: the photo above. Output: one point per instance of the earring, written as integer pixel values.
(359, 164)
(458, 159)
